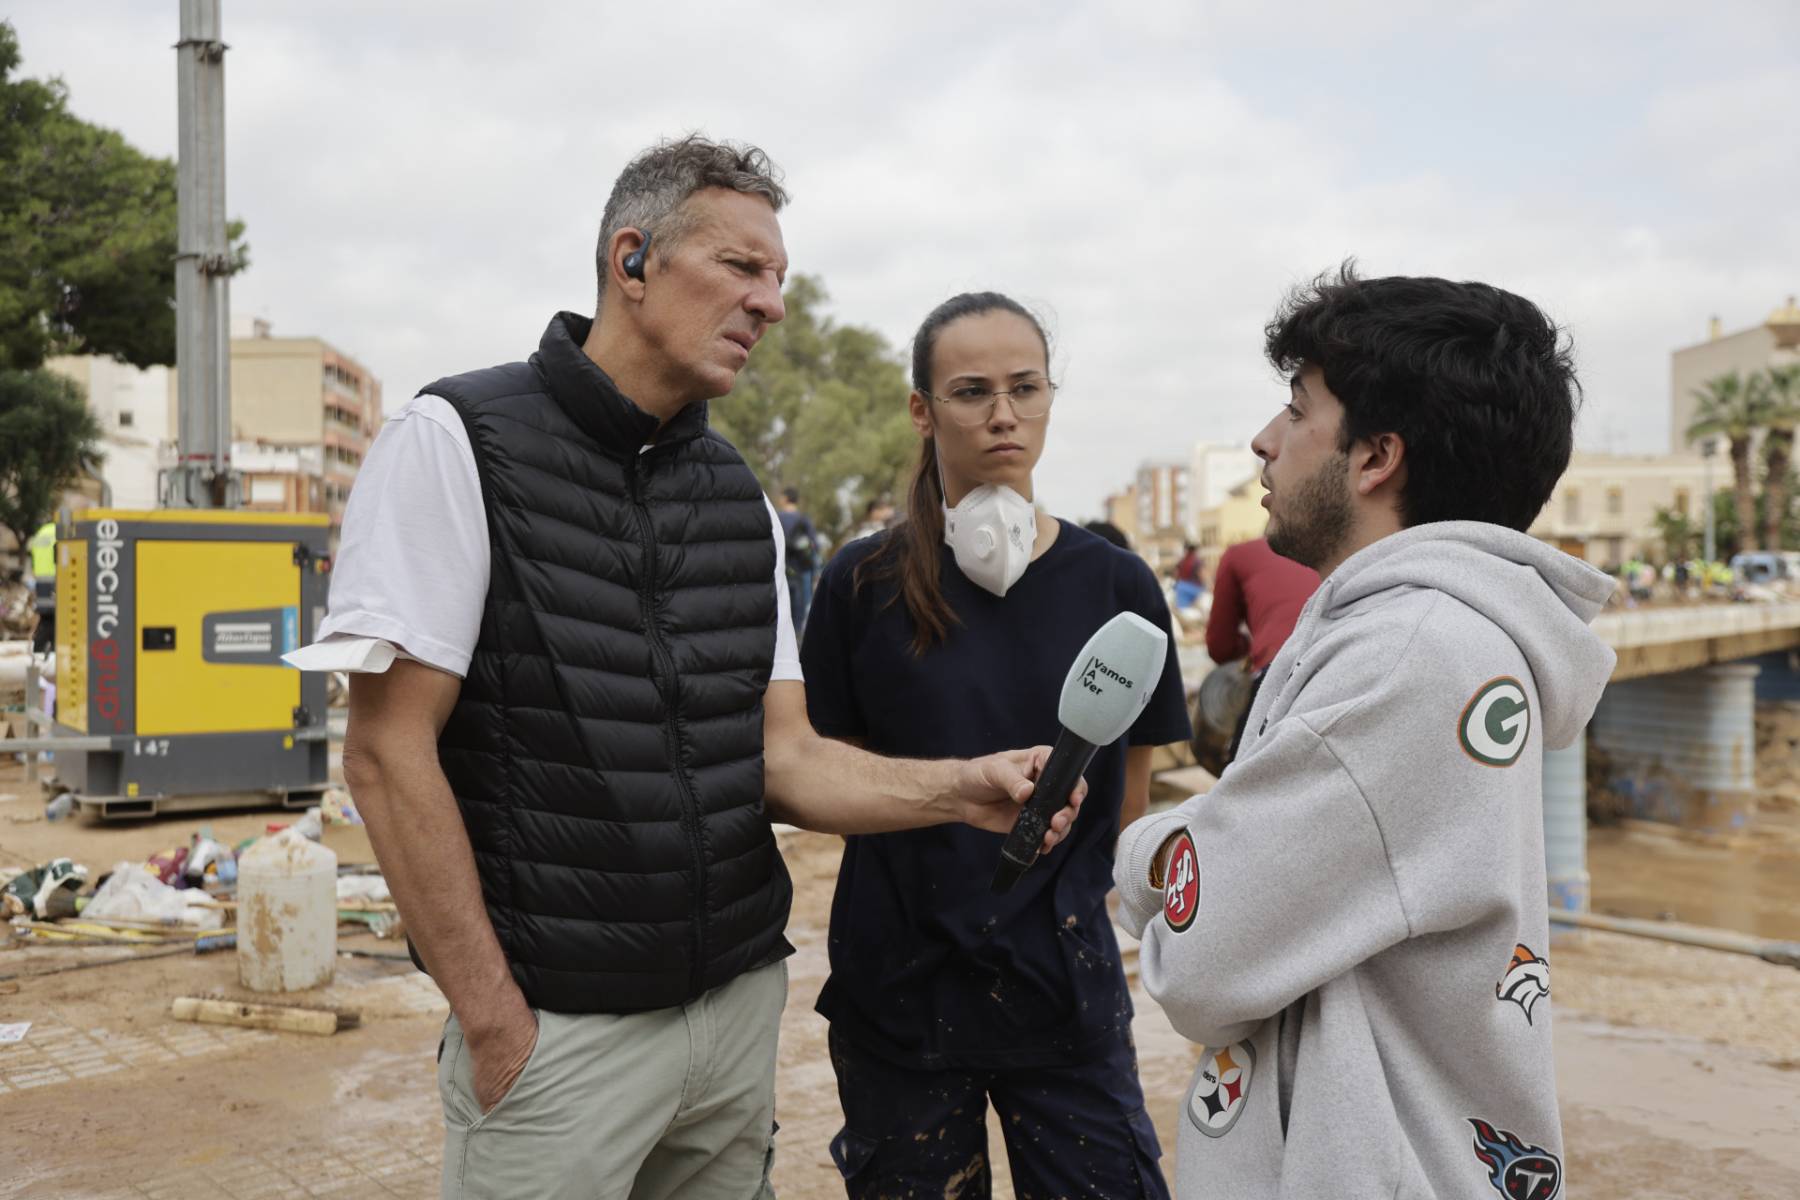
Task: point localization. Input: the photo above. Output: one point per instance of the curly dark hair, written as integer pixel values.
(1479, 384)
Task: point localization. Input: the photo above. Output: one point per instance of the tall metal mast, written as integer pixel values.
(203, 478)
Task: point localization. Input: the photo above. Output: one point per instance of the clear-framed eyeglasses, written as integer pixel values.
(973, 404)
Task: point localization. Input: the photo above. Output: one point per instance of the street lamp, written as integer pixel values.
(1708, 447)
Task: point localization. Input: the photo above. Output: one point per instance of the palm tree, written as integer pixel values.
(1733, 407)
(1782, 415)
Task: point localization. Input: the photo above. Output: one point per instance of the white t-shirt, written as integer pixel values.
(411, 575)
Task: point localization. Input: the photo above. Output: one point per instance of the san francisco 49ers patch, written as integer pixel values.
(1181, 886)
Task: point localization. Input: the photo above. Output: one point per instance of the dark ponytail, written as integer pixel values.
(912, 555)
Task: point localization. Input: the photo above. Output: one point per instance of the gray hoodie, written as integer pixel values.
(1353, 923)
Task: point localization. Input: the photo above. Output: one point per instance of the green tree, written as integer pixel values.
(821, 408)
(1781, 417)
(1678, 535)
(47, 436)
(87, 232)
(1725, 521)
(1734, 408)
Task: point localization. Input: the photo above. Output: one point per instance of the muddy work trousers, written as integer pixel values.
(1070, 1131)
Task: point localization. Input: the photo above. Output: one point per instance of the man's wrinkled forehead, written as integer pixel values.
(734, 224)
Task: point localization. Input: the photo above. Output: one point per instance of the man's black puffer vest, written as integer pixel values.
(607, 747)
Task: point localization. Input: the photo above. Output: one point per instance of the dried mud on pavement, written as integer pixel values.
(1679, 1069)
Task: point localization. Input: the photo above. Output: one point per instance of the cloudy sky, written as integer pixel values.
(422, 181)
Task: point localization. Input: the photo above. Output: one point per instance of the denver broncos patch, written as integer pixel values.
(1517, 1171)
(1181, 888)
(1527, 980)
(1221, 1088)
(1496, 723)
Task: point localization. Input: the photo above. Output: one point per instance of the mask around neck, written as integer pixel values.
(992, 532)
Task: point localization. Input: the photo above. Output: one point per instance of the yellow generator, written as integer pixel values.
(170, 627)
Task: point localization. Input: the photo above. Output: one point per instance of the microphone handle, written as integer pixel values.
(1061, 773)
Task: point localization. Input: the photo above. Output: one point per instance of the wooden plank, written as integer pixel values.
(253, 1016)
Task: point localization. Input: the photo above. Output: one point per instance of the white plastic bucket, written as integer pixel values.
(287, 914)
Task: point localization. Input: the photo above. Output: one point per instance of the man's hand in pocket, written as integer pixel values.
(498, 1054)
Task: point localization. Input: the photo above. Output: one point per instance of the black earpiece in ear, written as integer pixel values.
(634, 262)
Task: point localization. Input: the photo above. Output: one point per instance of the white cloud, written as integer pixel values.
(422, 182)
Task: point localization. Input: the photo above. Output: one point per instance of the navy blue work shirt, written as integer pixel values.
(928, 967)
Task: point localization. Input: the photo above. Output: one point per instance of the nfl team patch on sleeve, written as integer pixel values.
(1181, 888)
(1527, 980)
(1516, 1170)
(1221, 1088)
(1496, 723)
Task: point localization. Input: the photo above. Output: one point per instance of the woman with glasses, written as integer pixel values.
(950, 635)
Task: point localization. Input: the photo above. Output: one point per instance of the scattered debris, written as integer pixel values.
(133, 893)
(210, 863)
(45, 892)
(311, 825)
(286, 1017)
(362, 891)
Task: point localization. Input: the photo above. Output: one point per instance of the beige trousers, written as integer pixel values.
(646, 1106)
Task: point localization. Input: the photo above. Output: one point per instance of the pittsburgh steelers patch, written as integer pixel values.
(1221, 1088)
(1527, 980)
(1516, 1170)
(1181, 886)
(1496, 723)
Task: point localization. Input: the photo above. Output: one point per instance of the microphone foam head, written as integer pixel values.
(1112, 678)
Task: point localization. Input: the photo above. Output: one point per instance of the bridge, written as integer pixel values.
(1674, 736)
(1658, 641)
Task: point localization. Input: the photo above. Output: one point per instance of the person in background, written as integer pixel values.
(878, 514)
(43, 569)
(1257, 597)
(944, 997)
(1190, 580)
(802, 541)
(1109, 531)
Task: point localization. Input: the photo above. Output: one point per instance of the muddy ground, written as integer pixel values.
(1679, 1068)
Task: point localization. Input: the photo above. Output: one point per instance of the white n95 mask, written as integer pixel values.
(991, 532)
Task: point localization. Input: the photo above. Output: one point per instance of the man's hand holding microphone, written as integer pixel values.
(1107, 687)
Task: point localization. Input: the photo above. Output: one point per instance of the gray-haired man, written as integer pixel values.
(579, 703)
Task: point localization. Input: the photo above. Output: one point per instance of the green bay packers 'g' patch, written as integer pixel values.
(1496, 723)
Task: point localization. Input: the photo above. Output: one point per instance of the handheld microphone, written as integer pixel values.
(1107, 687)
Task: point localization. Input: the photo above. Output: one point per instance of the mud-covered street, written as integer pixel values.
(1679, 1068)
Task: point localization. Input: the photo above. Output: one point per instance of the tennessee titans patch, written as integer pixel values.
(1221, 1088)
(1527, 980)
(1517, 1171)
(1181, 890)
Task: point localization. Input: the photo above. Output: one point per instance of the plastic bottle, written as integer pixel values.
(287, 914)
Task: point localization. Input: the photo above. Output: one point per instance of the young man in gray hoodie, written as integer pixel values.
(1353, 921)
